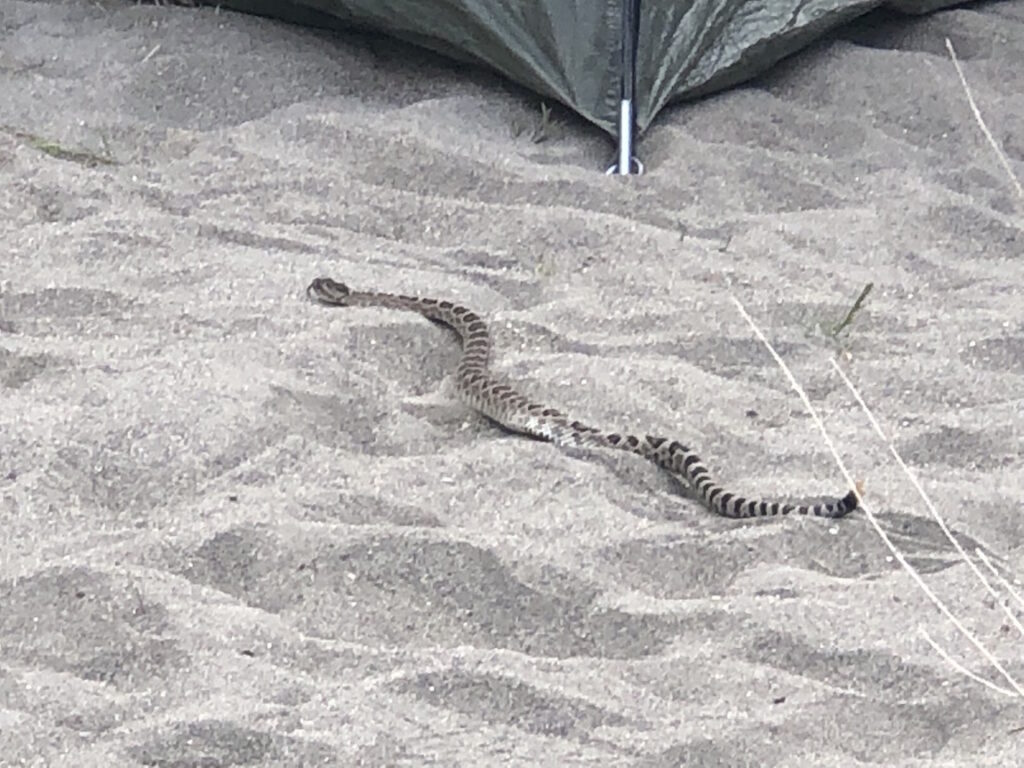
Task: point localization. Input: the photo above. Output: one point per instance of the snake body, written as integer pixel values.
(499, 401)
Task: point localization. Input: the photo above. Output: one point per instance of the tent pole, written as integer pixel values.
(625, 137)
(630, 26)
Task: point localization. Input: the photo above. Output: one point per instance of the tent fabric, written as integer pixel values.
(567, 50)
(584, 52)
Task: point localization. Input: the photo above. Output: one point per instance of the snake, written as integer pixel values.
(498, 400)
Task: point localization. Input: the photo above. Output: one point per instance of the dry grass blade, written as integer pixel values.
(981, 121)
(962, 669)
(55, 150)
(925, 498)
(1001, 579)
(857, 304)
(896, 553)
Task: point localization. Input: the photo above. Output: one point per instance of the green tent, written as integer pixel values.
(615, 62)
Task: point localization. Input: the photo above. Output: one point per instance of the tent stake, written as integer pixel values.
(627, 161)
(625, 136)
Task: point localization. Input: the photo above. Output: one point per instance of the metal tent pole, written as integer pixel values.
(625, 137)
(627, 161)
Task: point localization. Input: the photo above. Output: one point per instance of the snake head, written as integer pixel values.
(328, 291)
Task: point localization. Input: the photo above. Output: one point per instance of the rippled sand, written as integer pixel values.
(243, 529)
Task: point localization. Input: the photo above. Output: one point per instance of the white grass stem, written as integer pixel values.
(981, 121)
(912, 476)
(922, 585)
(962, 669)
(1002, 579)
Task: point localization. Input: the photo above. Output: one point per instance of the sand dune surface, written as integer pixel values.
(240, 528)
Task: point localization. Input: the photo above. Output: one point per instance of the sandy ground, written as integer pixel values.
(243, 529)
